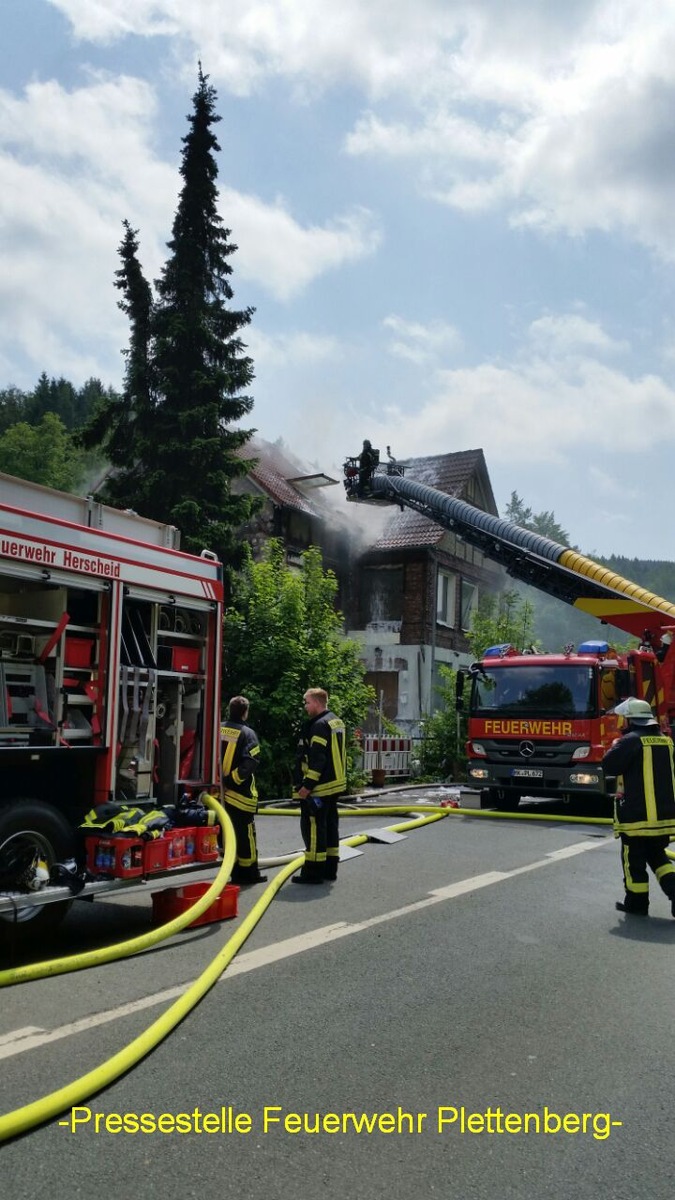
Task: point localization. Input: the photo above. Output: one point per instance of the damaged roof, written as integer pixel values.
(449, 473)
(284, 478)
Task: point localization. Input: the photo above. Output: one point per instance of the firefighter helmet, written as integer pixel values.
(637, 712)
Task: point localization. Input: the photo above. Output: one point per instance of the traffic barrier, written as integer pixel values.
(390, 754)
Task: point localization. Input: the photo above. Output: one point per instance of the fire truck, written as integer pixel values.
(539, 724)
(110, 653)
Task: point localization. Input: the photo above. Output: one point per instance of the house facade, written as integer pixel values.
(407, 587)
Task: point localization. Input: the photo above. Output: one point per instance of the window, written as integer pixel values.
(381, 594)
(469, 601)
(445, 599)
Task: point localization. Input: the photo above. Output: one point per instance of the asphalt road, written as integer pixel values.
(453, 990)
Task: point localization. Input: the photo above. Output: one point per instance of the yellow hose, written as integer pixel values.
(22, 1119)
(377, 811)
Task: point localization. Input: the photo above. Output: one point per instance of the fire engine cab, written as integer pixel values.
(539, 724)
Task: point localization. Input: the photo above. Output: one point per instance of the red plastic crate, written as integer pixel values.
(172, 902)
(120, 857)
(156, 855)
(79, 652)
(181, 845)
(206, 843)
(186, 659)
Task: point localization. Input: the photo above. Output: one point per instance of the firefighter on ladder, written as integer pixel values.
(240, 751)
(644, 819)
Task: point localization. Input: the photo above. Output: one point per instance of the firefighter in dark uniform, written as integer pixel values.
(369, 459)
(239, 753)
(644, 816)
(320, 778)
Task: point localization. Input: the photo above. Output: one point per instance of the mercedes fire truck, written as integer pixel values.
(539, 724)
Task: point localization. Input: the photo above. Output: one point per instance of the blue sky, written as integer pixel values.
(455, 220)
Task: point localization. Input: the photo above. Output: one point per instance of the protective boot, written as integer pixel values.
(330, 870)
(245, 876)
(633, 906)
(311, 873)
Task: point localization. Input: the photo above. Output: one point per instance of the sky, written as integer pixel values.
(455, 220)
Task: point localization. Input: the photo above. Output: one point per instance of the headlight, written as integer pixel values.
(584, 779)
(582, 752)
(478, 749)
(479, 773)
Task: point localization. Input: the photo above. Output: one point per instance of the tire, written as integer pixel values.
(28, 827)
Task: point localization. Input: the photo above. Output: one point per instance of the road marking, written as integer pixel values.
(31, 1037)
(17, 1034)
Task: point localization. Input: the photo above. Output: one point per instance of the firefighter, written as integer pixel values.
(368, 460)
(240, 752)
(320, 778)
(644, 816)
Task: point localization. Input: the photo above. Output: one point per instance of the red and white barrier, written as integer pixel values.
(391, 754)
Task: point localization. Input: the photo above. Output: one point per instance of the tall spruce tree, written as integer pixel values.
(171, 442)
(123, 423)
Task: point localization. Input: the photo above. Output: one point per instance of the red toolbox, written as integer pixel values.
(120, 857)
(172, 902)
(206, 843)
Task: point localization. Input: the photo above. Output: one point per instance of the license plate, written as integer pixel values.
(527, 773)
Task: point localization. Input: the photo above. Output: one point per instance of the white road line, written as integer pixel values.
(31, 1037)
(17, 1034)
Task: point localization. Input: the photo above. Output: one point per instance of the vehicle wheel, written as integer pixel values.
(29, 828)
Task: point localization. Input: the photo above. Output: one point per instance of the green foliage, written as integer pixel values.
(543, 523)
(507, 617)
(43, 453)
(170, 436)
(282, 635)
(495, 620)
(442, 747)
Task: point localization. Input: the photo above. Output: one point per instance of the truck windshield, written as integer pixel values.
(538, 690)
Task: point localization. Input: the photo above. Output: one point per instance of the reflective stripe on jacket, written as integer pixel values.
(322, 756)
(240, 749)
(645, 763)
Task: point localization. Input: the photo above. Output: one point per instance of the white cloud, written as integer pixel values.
(562, 114)
(420, 343)
(292, 349)
(74, 165)
(536, 410)
(571, 333)
(281, 255)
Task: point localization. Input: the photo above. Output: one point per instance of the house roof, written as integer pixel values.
(449, 473)
(283, 477)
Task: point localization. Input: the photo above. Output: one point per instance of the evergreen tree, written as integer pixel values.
(543, 523)
(123, 424)
(13, 404)
(187, 370)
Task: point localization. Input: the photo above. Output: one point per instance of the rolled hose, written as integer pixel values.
(21, 1120)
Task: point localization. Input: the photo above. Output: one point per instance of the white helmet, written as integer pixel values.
(637, 712)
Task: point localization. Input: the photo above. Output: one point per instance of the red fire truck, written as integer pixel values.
(110, 650)
(539, 724)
